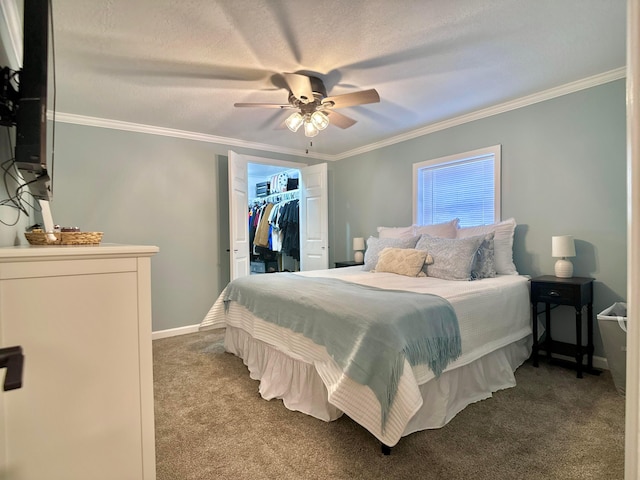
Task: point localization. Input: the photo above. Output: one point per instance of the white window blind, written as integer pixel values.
(465, 186)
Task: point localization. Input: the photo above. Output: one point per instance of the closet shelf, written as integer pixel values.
(278, 197)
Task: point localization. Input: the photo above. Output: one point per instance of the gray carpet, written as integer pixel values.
(211, 423)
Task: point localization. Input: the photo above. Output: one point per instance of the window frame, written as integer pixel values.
(480, 153)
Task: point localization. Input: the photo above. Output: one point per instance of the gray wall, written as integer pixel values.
(152, 190)
(12, 221)
(563, 172)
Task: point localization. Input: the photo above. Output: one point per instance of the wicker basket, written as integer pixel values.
(64, 238)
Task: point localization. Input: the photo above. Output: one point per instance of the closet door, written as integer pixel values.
(314, 222)
(238, 216)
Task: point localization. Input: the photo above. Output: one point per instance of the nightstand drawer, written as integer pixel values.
(555, 293)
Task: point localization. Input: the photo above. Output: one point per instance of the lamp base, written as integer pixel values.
(564, 268)
(358, 257)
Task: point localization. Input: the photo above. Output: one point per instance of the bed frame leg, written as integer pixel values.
(386, 450)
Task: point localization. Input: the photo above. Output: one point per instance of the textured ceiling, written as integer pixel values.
(183, 64)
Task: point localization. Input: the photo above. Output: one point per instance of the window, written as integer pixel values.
(466, 186)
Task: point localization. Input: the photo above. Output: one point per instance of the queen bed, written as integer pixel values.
(490, 336)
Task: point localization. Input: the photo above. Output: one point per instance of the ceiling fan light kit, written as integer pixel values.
(294, 121)
(310, 129)
(308, 95)
(319, 120)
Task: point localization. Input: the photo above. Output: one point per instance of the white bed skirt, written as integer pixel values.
(300, 387)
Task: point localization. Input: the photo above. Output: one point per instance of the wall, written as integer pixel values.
(563, 172)
(153, 190)
(13, 222)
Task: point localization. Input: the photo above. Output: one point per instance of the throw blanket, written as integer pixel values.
(368, 331)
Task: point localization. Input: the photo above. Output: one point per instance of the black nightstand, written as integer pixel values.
(348, 263)
(576, 292)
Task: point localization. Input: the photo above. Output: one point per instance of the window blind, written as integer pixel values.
(464, 189)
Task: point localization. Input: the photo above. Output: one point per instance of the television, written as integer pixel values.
(31, 108)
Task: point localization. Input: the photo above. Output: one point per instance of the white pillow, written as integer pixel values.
(502, 243)
(395, 232)
(441, 230)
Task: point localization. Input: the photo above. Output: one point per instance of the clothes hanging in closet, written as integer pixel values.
(275, 227)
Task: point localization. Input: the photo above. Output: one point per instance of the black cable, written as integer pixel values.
(12, 201)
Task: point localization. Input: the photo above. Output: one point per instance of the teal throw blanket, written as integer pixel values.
(368, 331)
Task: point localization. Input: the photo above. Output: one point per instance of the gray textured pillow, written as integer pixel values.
(376, 245)
(484, 265)
(452, 258)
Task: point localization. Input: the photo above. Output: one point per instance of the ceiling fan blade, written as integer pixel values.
(262, 105)
(340, 120)
(351, 99)
(300, 86)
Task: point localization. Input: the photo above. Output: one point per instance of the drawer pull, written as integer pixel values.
(553, 293)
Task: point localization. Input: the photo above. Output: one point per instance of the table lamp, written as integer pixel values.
(563, 246)
(358, 248)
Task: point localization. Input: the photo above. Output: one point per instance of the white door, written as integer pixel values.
(314, 213)
(314, 222)
(238, 216)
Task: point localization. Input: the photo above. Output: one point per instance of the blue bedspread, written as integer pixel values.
(368, 331)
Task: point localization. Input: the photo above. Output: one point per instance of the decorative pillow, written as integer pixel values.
(484, 265)
(395, 232)
(502, 246)
(403, 261)
(452, 258)
(376, 245)
(441, 230)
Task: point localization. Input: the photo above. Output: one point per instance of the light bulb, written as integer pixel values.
(310, 129)
(294, 121)
(319, 120)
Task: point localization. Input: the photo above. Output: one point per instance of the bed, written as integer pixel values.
(493, 328)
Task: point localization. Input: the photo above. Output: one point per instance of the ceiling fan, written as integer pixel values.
(314, 109)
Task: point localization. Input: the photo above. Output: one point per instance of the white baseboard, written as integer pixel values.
(174, 332)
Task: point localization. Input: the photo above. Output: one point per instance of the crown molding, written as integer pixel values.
(170, 132)
(11, 34)
(549, 94)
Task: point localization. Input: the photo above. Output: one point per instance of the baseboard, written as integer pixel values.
(174, 332)
(598, 362)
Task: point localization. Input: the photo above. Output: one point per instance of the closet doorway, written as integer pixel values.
(248, 176)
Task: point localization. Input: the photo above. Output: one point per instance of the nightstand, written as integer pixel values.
(576, 292)
(348, 263)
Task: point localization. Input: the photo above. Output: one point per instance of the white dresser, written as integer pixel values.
(83, 318)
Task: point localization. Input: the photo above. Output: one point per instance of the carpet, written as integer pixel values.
(211, 423)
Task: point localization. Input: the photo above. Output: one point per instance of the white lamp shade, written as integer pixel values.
(358, 247)
(563, 246)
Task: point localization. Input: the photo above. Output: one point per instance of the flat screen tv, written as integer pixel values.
(31, 111)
